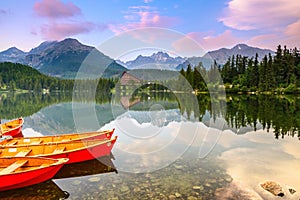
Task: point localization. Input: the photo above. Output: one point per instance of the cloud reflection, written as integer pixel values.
(256, 157)
(137, 153)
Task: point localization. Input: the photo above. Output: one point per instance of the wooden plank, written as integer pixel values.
(23, 153)
(59, 150)
(13, 167)
(11, 143)
(36, 142)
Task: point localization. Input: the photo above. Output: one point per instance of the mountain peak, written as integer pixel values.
(221, 55)
(160, 53)
(241, 46)
(160, 58)
(12, 54)
(13, 50)
(70, 42)
(42, 47)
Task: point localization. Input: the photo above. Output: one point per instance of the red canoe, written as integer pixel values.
(61, 138)
(19, 172)
(76, 151)
(13, 127)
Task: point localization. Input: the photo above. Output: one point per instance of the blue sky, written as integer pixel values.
(212, 24)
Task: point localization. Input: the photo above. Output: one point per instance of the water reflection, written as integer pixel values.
(50, 190)
(242, 113)
(43, 191)
(254, 158)
(178, 148)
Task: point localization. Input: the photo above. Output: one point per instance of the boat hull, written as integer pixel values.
(61, 138)
(89, 153)
(75, 151)
(27, 178)
(9, 128)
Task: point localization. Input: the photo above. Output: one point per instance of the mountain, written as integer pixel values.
(183, 65)
(42, 47)
(154, 74)
(65, 58)
(69, 58)
(114, 69)
(12, 54)
(222, 55)
(159, 60)
(194, 61)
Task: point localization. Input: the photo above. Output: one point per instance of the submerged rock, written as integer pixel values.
(198, 187)
(273, 187)
(94, 179)
(292, 191)
(236, 190)
(177, 194)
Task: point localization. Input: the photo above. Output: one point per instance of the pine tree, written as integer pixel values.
(262, 75)
(270, 80)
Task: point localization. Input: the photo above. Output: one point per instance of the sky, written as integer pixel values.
(211, 24)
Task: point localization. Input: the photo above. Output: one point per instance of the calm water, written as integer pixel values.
(169, 146)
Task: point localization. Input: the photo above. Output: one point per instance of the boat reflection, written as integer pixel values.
(96, 166)
(50, 190)
(45, 190)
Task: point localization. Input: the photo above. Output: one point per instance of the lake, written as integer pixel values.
(169, 146)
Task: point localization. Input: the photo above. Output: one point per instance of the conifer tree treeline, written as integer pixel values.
(272, 73)
(279, 72)
(17, 76)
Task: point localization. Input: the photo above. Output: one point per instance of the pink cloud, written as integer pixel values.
(266, 40)
(293, 29)
(257, 14)
(287, 36)
(56, 9)
(206, 41)
(58, 31)
(144, 16)
(147, 1)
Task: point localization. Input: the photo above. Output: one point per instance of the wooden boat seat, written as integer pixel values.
(13, 167)
(59, 150)
(11, 143)
(23, 153)
(36, 142)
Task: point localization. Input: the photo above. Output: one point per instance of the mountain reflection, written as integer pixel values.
(241, 113)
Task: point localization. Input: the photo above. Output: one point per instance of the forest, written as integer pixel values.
(278, 73)
(15, 76)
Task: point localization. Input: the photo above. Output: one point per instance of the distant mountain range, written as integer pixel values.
(64, 59)
(162, 60)
(222, 55)
(159, 60)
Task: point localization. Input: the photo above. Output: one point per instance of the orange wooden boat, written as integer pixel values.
(26, 141)
(19, 172)
(76, 151)
(13, 127)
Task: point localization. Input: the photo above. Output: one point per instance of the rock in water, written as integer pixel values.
(292, 191)
(273, 187)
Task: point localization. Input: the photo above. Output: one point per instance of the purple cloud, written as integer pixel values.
(2, 12)
(56, 9)
(144, 16)
(58, 31)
